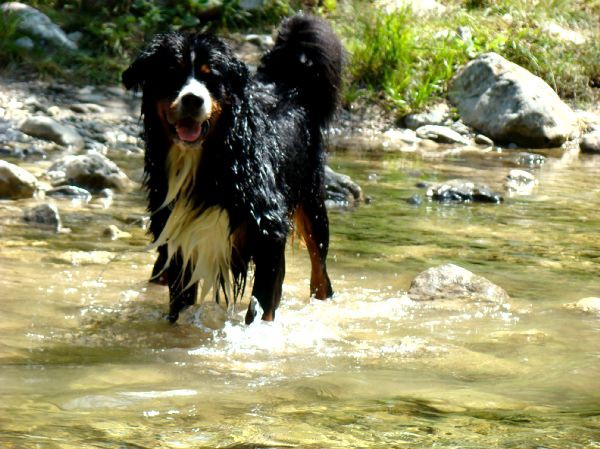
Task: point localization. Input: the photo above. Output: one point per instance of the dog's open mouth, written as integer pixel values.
(190, 130)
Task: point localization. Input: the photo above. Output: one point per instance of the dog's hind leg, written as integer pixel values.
(180, 297)
(313, 225)
(269, 261)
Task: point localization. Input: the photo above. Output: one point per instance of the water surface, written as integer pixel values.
(87, 360)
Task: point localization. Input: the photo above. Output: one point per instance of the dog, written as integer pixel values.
(234, 162)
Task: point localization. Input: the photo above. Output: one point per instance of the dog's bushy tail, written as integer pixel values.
(307, 57)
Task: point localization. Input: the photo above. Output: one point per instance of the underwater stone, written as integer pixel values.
(463, 191)
(45, 215)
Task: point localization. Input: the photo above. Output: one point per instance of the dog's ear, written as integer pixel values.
(238, 76)
(149, 59)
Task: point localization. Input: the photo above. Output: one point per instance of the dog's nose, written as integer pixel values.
(191, 102)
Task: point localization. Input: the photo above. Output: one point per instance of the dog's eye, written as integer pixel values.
(205, 69)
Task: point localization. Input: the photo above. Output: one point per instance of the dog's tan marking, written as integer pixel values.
(318, 278)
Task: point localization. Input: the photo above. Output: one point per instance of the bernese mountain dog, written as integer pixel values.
(235, 161)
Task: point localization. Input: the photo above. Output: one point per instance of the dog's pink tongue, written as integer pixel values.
(188, 132)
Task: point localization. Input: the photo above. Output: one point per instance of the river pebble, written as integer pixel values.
(463, 191)
(72, 193)
(590, 305)
(441, 134)
(45, 215)
(520, 182)
(451, 281)
(590, 143)
(16, 182)
(91, 171)
(48, 129)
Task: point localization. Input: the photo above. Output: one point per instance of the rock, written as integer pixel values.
(450, 281)
(45, 215)
(16, 182)
(48, 129)
(92, 171)
(113, 232)
(25, 43)
(71, 193)
(520, 182)
(509, 104)
(484, 140)
(418, 7)
(590, 143)
(461, 128)
(414, 200)
(395, 137)
(340, 190)
(590, 304)
(104, 198)
(75, 36)
(437, 115)
(441, 134)
(37, 24)
(530, 159)
(86, 108)
(563, 34)
(264, 41)
(463, 191)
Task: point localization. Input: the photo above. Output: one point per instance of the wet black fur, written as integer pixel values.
(265, 156)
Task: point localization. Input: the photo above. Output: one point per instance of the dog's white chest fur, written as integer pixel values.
(202, 238)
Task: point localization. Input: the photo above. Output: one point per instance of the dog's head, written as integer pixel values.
(187, 81)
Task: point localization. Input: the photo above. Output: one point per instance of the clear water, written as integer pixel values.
(86, 359)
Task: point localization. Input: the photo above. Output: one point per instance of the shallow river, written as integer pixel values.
(86, 359)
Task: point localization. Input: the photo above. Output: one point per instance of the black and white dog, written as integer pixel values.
(233, 161)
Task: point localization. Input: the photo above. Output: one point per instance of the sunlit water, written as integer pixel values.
(87, 360)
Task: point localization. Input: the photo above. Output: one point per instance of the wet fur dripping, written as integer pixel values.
(232, 160)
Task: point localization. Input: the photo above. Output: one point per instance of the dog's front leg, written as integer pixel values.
(268, 278)
(180, 297)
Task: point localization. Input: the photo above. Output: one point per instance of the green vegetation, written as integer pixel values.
(405, 61)
(400, 60)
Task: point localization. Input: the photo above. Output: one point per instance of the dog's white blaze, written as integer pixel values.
(199, 89)
(203, 238)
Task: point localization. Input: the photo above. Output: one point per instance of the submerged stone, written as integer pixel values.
(463, 191)
(520, 181)
(450, 281)
(590, 305)
(45, 215)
